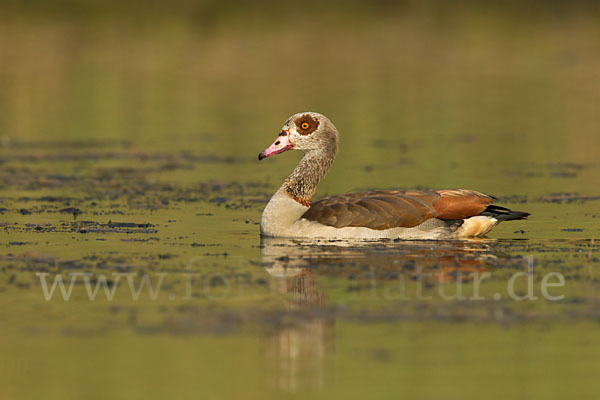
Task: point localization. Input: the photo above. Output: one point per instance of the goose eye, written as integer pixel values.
(306, 124)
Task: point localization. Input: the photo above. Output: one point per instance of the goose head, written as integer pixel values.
(309, 132)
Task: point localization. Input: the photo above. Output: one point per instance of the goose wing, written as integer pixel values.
(385, 209)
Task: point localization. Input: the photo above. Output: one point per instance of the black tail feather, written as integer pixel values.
(503, 213)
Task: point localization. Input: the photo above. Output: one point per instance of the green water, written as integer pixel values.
(128, 153)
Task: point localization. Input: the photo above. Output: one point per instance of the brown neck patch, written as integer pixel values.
(304, 202)
(306, 124)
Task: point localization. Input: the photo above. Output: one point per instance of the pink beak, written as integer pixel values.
(281, 144)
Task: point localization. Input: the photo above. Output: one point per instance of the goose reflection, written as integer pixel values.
(299, 351)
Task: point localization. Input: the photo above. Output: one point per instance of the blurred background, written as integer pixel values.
(187, 74)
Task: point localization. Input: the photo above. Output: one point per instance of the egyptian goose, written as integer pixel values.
(402, 214)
